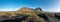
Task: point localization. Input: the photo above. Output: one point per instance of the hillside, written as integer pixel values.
(26, 14)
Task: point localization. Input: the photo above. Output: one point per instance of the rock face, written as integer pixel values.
(29, 15)
(25, 9)
(38, 9)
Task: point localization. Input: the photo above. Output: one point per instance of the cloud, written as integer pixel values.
(9, 9)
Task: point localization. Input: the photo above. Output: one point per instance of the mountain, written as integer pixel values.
(39, 9)
(26, 14)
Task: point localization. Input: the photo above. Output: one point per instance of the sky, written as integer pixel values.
(46, 5)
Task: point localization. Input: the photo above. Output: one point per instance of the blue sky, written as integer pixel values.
(46, 5)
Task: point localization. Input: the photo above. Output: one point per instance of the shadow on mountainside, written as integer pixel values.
(18, 18)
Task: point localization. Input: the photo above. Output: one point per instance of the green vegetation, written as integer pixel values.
(32, 16)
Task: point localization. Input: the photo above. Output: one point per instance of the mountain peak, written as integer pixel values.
(25, 9)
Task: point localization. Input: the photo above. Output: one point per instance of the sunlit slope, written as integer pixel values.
(32, 14)
(20, 11)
